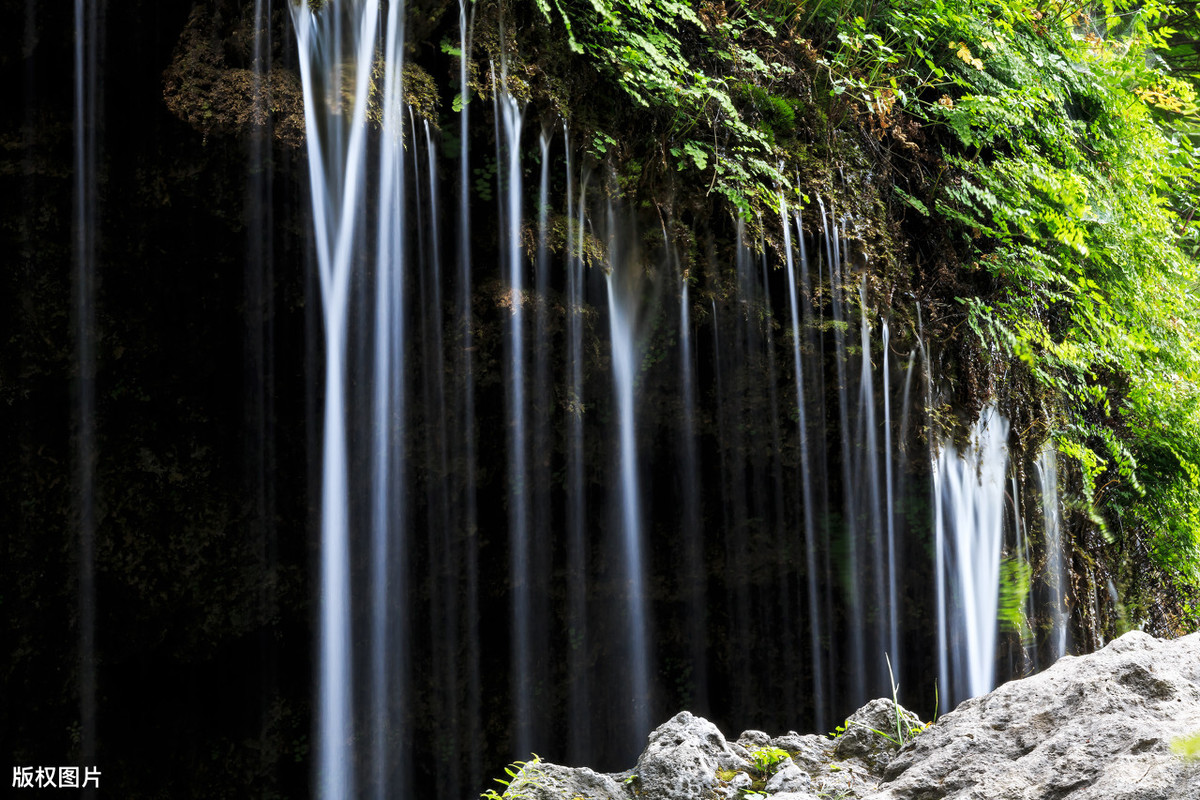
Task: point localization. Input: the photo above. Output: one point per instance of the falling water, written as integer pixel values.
(806, 494)
(853, 554)
(510, 577)
(540, 403)
(509, 119)
(1055, 577)
(624, 365)
(790, 611)
(874, 507)
(540, 476)
(465, 409)
(691, 525)
(337, 143)
(969, 496)
(445, 614)
(889, 509)
(577, 627)
(736, 462)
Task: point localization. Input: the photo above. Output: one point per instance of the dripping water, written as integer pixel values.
(853, 556)
(465, 412)
(875, 510)
(578, 645)
(338, 145)
(509, 120)
(1055, 578)
(692, 531)
(969, 493)
(889, 510)
(624, 366)
(806, 494)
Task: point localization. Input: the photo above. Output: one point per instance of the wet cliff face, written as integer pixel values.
(208, 356)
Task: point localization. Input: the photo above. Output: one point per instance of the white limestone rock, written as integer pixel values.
(1095, 727)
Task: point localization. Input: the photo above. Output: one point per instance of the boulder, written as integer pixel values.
(682, 758)
(541, 780)
(875, 732)
(810, 752)
(1091, 727)
(788, 779)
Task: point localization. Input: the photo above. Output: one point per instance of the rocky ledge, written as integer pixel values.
(1120, 724)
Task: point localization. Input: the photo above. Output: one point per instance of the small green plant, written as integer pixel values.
(1187, 747)
(902, 734)
(766, 759)
(522, 776)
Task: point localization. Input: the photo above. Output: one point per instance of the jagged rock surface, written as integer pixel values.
(683, 758)
(1090, 727)
(875, 732)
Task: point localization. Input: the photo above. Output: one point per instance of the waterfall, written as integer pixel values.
(465, 509)
(806, 495)
(328, 41)
(1055, 576)
(790, 601)
(624, 364)
(509, 120)
(690, 530)
(853, 553)
(417, 491)
(969, 497)
(889, 509)
(577, 623)
(873, 500)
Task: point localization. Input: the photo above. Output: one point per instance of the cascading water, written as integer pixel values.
(329, 41)
(889, 508)
(1055, 576)
(465, 449)
(842, 584)
(621, 287)
(691, 527)
(969, 510)
(509, 120)
(871, 496)
(572, 477)
(577, 623)
(852, 541)
(806, 494)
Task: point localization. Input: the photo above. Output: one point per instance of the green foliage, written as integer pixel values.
(1066, 176)
(522, 777)
(766, 759)
(1070, 169)
(705, 73)
(1015, 576)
